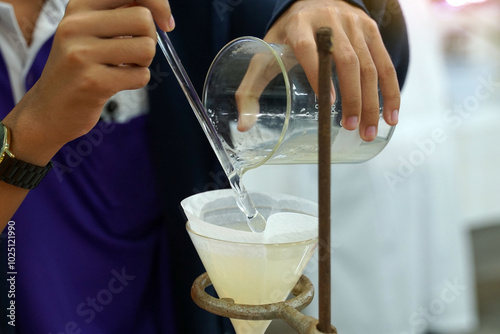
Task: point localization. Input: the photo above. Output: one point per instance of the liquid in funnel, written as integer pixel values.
(254, 268)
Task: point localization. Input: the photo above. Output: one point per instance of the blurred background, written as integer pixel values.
(416, 230)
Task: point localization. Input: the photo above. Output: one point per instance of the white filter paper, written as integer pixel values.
(215, 214)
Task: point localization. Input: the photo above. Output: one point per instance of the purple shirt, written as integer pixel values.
(90, 251)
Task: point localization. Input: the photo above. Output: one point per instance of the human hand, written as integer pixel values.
(359, 53)
(100, 48)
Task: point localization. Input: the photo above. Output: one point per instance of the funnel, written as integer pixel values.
(252, 268)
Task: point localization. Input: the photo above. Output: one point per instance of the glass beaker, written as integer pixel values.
(265, 111)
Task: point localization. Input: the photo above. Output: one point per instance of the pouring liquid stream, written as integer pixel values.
(255, 220)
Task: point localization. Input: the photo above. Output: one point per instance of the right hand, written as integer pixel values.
(101, 47)
(359, 52)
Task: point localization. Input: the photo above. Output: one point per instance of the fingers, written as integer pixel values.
(375, 69)
(348, 72)
(362, 61)
(102, 82)
(161, 12)
(368, 88)
(132, 21)
(123, 37)
(109, 66)
(261, 70)
(304, 48)
(387, 78)
(160, 9)
(125, 77)
(120, 51)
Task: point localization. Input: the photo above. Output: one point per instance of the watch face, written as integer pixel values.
(3, 141)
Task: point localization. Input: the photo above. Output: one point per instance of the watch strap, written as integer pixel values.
(22, 174)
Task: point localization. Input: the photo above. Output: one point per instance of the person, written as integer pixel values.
(99, 242)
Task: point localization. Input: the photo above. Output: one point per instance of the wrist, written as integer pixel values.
(15, 171)
(28, 143)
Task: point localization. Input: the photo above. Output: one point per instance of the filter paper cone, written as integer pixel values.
(214, 214)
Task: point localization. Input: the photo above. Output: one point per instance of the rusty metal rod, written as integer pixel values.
(325, 46)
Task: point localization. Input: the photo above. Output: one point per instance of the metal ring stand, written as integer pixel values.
(288, 311)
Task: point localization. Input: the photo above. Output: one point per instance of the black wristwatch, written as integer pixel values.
(16, 172)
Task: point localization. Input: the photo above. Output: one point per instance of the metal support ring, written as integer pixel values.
(226, 307)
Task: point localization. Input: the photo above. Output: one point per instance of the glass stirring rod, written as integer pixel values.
(255, 220)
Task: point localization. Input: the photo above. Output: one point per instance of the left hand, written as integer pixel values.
(361, 58)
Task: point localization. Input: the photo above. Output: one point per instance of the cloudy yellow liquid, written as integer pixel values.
(253, 273)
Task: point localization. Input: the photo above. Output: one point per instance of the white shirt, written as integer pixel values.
(18, 56)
